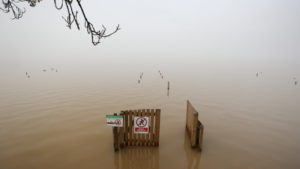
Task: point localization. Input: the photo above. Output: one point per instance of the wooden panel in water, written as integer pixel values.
(125, 136)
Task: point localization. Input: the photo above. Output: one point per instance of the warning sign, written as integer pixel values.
(115, 121)
(141, 125)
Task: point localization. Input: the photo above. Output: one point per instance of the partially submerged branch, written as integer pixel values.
(72, 16)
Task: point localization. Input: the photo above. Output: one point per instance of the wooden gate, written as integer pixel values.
(125, 136)
(194, 127)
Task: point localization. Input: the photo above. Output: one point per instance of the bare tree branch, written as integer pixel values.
(72, 16)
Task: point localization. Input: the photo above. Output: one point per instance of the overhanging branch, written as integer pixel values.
(72, 16)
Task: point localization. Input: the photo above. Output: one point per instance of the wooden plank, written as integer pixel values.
(157, 126)
(147, 142)
(201, 135)
(121, 134)
(116, 138)
(143, 136)
(152, 127)
(194, 129)
(187, 115)
(130, 141)
(138, 135)
(133, 114)
(126, 127)
(134, 135)
(115, 134)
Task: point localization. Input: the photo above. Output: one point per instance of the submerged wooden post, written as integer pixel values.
(116, 137)
(200, 138)
(194, 127)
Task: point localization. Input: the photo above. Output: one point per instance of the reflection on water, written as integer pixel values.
(137, 158)
(193, 156)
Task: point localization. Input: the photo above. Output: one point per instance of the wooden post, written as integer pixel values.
(116, 137)
(115, 133)
(201, 128)
(121, 132)
(157, 127)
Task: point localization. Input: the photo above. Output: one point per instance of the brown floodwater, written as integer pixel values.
(57, 119)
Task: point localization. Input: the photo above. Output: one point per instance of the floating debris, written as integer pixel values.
(296, 82)
(44, 70)
(257, 74)
(139, 81)
(28, 76)
(26, 73)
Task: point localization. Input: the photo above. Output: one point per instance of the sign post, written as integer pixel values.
(114, 120)
(141, 125)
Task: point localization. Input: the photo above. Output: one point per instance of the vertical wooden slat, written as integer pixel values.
(124, 125)
(115, 133)
(116, 137)
(147, 137)
(194, 129)
(134, 113)
(130, 141)
(133, 134)
(157, 126)
(125, 114)
(139, 136)
(152, 127)
(143, 136)
(201, 136)
(122, 133)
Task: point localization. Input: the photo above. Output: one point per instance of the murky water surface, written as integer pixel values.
(57, 119)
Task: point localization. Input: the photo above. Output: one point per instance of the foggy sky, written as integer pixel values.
(215, 31)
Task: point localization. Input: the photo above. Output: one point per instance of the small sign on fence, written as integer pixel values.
(115, 121)
(141, 125)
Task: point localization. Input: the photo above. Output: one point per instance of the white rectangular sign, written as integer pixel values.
(115, 121)
(141, 125)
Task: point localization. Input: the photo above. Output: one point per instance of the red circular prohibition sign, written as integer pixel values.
(118, 122)
(141, 122)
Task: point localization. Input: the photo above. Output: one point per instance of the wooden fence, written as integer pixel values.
(194, 127)
(125, 136)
